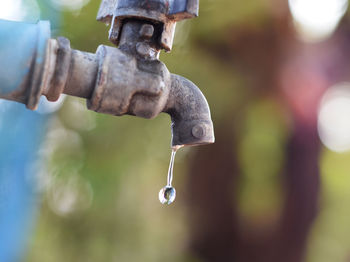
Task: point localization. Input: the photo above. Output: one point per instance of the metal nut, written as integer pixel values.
(147, 31)
(145, 50)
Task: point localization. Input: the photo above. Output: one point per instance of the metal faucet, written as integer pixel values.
(129, 79)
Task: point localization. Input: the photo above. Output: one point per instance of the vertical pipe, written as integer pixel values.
(23, 46)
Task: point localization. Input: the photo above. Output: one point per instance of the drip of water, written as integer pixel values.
(168, 193)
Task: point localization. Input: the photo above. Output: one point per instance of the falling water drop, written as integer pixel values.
(168, 193)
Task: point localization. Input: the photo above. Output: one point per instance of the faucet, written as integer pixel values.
(129, 79)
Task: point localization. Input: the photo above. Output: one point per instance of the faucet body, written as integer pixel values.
(129, 79)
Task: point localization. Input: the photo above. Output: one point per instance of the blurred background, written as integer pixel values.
(274, 187)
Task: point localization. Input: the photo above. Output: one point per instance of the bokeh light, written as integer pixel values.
(334, 118)
(67, 196)
(11, 10)
(315, 20)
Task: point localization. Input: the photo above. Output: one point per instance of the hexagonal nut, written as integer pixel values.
(145, 50)
(147, 31)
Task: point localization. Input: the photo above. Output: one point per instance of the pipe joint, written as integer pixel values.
(127, 85)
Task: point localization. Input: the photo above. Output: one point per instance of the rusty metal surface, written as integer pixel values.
(105, 12)
(190, 114)
(164, 12)
(61, 69)
(131, 80)
(181, 9)
(128, 84)
(166, 9)
(82, 74)
(144, 86)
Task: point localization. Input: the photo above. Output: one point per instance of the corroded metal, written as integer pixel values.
(129, 79)
(158, 10)
(123, 80)
(163, 12)
(61, 52)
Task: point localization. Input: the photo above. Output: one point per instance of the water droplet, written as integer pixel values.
(167, 195)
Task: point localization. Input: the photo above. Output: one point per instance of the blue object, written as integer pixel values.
(21, 133)
(22, 54)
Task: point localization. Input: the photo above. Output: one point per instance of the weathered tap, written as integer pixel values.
(129, 79)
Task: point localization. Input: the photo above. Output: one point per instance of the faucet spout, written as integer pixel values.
(188, 108)
(190, 114)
